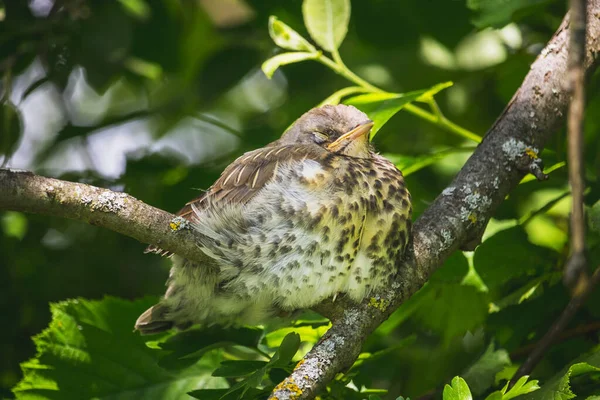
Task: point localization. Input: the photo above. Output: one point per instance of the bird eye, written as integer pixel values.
(320, 137)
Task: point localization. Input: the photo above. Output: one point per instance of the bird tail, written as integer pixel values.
(154, 320)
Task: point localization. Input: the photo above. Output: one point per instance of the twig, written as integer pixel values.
(575, 267)
(553, 334)
(566, 335)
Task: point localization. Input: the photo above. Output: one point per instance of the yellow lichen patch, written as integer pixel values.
(531, 153)
(291, 387)
(379, 304)
(472, 217)
(174, 225)
(299, 364)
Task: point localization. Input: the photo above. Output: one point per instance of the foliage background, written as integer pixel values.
(155, 97)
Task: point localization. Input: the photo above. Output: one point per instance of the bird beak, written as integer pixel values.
(358, 132)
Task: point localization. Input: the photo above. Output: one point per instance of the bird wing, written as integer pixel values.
(242, 180)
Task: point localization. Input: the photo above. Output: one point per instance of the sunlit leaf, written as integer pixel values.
(336, 97)
(327, 21)
(14, 224)
(531, 178)
(457, 390)
(521, 387)
(287, 38)
(272, 64)
(380, 107)
(90, 351)
(559, 387)
(409, 164)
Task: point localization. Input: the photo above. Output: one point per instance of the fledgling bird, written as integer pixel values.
(312, 215)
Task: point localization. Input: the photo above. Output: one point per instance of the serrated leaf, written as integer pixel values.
(272, 64)
(457, 390)
(480, 375)
(558, 387)
(327, 21)
(90, 351)
(235, 368)
(11, 129)
(380, 107)
(287, 38)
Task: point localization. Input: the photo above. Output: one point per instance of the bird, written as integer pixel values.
(313, 215)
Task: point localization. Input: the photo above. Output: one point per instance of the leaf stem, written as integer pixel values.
(437, 118)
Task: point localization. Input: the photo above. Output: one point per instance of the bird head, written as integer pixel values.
(339, 129)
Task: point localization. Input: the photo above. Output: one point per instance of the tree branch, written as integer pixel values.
(120, 212)
(457, 217)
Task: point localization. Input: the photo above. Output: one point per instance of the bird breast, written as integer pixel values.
(319, 228)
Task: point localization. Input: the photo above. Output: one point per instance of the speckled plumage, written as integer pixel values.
(288, 225)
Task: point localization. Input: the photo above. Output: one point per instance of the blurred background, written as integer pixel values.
(156, 97)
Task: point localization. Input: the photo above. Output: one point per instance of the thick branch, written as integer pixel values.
(120, 212)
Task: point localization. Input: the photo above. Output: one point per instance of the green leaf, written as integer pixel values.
(11, 128)
(286, 351)
(89, 350)
(235, 368)
(480, 376)
(499, 13)
(223, 394)
(451, 309)
(509, 254)
(593, 214)
(270, 66)
(458, 390)
(14, 224)
(409, 164)
(327, 21)
(187, 346)
(521, 387)
(380, 107)
(336, 97)
(558, 387)
(287, 38)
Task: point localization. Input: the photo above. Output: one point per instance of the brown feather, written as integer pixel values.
(244, 178)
